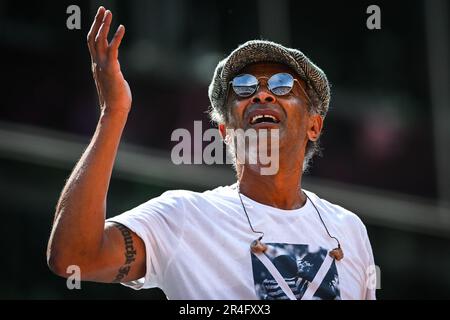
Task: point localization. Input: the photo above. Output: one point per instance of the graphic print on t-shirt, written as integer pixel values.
(298, 266)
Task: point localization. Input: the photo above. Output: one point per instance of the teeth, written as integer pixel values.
(263, 116)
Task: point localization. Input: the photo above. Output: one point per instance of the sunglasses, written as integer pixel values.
(280, 84)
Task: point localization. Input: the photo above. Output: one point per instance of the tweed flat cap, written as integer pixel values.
(266, 51)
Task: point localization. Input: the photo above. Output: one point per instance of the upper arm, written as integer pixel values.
(122, 256)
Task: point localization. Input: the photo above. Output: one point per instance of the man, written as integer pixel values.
(261, 238)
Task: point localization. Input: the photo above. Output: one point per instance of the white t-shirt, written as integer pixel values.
(198, 247)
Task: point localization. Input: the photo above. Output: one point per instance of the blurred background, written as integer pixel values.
(386, 143)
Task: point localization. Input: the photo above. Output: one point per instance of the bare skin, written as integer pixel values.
(112, 253)
(297, 126)
(104, 253)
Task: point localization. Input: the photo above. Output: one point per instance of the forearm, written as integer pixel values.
(78, 226)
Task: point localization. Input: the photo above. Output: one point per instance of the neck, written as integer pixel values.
(281, 190)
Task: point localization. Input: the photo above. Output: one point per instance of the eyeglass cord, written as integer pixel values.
(262, 233)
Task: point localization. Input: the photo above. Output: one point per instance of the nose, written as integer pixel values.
(263, 96)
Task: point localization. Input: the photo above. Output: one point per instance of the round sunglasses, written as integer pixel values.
(245, 85)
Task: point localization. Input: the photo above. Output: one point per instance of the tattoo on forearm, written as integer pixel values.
(130, 253)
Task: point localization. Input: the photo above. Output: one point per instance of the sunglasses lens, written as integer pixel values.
(281, 83)
(245, 85)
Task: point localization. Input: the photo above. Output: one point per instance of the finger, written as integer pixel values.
(115, 42)
(101, 41)
(94, 29)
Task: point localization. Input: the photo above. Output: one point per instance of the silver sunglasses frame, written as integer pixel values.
(257, 86)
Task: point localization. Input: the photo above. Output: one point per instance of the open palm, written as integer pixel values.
(113, 90)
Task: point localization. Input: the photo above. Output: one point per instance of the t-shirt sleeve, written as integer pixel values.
(371, 269)
(159, 223)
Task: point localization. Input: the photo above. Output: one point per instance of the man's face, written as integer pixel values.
(294, 122)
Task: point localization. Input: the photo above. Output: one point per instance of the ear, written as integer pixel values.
(314, 127)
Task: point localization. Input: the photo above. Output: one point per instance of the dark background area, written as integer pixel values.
(383, 135)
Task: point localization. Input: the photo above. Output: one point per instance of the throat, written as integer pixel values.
(281, 190)
(275, 196)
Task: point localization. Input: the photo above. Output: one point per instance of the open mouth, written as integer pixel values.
(263, 118)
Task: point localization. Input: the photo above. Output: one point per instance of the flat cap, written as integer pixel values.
(255, 51)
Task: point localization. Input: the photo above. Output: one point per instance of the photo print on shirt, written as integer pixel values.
(293, 271)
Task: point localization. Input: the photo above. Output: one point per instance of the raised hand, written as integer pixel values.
(113, 90)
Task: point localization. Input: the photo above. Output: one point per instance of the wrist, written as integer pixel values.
(117, 114)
